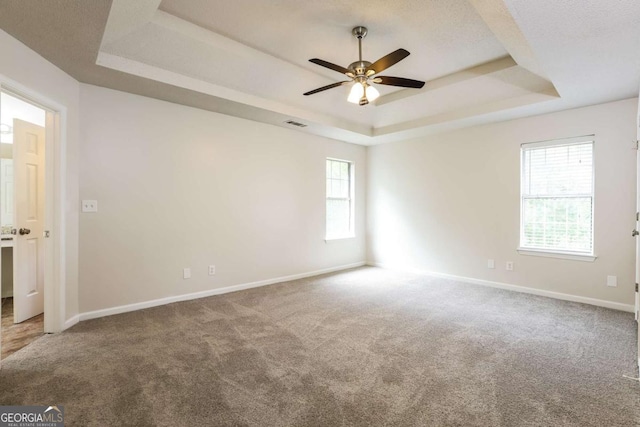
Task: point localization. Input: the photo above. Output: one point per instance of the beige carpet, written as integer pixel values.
(363, 347)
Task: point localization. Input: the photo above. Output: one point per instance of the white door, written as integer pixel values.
(28, 247)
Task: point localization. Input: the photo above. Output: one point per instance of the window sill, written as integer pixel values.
(561, 255)
(334, 238)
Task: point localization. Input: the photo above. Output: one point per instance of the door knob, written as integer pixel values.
(634, 233)
(24, 231)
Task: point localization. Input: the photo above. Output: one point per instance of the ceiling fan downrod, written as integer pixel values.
(360, 32)
(359, 67)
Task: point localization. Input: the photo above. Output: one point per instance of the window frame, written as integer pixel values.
(558, 253)
(351, 199)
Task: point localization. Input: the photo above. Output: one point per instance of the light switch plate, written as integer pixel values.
(491, 263)
(89, 206)
(612, 281)
(186, 273)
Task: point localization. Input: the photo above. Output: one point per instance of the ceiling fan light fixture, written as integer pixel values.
(362, 93)
(371, 93)
(356, 93)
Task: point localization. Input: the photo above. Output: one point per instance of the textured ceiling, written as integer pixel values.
(483, 60)
(443, 36)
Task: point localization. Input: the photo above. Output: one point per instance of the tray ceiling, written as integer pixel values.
(483, 60)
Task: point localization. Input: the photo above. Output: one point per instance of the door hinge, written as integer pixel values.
(46, 233)
(637, 216)
(636, 287)
(635, 144)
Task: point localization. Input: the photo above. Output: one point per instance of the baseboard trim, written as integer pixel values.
(203, 294)
(72, 321)
(517, 288)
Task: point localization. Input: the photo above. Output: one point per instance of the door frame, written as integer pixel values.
(55, 195)
(637, 294)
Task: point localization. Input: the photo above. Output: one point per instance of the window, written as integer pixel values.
(339, 199)
(557, 197)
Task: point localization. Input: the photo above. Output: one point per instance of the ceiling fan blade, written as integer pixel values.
(331, 86)
(329, 65)
(399, 81)
(387, 61)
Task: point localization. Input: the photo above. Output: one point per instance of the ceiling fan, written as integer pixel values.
(363, 73)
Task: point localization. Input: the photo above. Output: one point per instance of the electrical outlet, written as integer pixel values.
(212, 270)
(509, 266)
(89, 206)
(612, 281)
(491, 263)
(186, 273)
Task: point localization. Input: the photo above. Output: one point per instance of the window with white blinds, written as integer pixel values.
(339, 208)
(557, 196)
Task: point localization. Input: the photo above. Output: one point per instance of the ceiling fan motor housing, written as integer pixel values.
(359, 68)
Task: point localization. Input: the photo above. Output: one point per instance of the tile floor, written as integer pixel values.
(17, 336)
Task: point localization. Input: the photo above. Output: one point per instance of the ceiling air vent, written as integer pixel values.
(298, 124)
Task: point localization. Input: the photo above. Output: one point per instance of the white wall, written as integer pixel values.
(21, 68)
(181, 187)
(446, 203)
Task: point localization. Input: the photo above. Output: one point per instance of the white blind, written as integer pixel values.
(557, 197)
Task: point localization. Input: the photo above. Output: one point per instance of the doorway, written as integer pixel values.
(22, 222)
